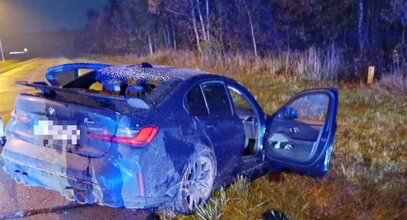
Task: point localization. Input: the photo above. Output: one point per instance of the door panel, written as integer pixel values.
(210, 104)
(300, 134)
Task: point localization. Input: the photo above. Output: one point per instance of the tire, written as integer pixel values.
(197, 182)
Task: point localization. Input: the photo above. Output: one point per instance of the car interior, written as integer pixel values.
(114, 87)
(249, 119)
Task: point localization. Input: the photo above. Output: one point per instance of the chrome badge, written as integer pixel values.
(51, 111)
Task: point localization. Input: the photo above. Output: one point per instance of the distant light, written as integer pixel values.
(18, 52)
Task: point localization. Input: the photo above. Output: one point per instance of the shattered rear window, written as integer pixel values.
(152, 84)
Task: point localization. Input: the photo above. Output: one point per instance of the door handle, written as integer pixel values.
(294, 130)
(88, 121)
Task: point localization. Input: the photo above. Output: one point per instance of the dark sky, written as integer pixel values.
(22, 16)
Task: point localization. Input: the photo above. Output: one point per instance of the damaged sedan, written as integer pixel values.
(158, 137)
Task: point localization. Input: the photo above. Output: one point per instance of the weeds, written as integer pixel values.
(212, 209)
(241, 187)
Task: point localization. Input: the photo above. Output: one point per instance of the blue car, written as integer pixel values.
(158, 137)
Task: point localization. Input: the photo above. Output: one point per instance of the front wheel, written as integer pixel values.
(197, 183)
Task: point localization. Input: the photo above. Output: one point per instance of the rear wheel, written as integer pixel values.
(197, 182)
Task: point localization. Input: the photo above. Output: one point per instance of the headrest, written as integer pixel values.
(113, 87)
(135, 89)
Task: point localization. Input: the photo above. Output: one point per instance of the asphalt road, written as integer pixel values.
(19, 198)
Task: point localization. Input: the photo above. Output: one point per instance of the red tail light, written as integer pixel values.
(19, 117)
(142, 138)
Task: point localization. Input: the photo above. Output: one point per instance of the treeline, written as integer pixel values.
(359, 32)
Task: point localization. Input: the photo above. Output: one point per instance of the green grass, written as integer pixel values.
(368, 170)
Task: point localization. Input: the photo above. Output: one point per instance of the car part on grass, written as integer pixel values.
(156, 137)
(275, 215)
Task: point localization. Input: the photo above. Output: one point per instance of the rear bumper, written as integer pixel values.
(70, 175)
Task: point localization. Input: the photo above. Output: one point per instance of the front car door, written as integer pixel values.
(299, 136)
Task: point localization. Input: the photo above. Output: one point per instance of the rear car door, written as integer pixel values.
(300, 135)
(222, 127)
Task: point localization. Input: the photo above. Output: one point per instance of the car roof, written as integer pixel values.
(153, 73)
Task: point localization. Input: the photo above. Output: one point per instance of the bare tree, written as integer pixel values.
(198, 8)
(198, 44)
(360, 24)
(251, 28)
(208, 24)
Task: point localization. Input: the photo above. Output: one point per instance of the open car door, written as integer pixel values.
(300, 135)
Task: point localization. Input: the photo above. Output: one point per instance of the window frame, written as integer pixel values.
(200, 85)
(243, 95)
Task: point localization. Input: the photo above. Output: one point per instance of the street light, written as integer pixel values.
(1, 51)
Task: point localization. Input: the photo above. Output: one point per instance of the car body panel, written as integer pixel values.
(99, 168)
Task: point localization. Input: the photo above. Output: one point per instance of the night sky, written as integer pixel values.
(23, 16)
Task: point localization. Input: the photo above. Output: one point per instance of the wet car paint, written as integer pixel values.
(145, 178)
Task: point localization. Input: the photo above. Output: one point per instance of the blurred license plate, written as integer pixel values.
(63, 131)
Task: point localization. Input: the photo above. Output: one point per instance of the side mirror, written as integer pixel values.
(288, 113)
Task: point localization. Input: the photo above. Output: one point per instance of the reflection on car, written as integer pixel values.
(157, 137)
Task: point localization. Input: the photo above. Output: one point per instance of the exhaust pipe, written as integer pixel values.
(24, 178)
(80, 197)
(69, 194)
(17, 176)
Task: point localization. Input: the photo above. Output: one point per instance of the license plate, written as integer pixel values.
(49, 131)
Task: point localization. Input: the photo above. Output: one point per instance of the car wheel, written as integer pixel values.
(197, 182)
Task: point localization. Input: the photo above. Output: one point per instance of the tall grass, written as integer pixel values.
(396, 79)
(313, 64)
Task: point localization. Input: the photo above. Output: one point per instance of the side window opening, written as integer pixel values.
(312, 107)
(195, 102)
(248, 117)
(217, 99)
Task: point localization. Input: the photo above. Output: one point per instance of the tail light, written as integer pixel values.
(142, 138)
(19, 117)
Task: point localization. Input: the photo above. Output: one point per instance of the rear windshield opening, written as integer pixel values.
(152, 88)
(120, 87)
(130, 88)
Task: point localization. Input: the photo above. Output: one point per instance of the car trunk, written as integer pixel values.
(63, 126)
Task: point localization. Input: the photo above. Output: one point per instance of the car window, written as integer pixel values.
(311, 107)
(238, 100)
(217, 99)
(196, 102)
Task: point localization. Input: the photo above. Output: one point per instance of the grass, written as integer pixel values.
(368, 170)
(6, 65)
(11, 64)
